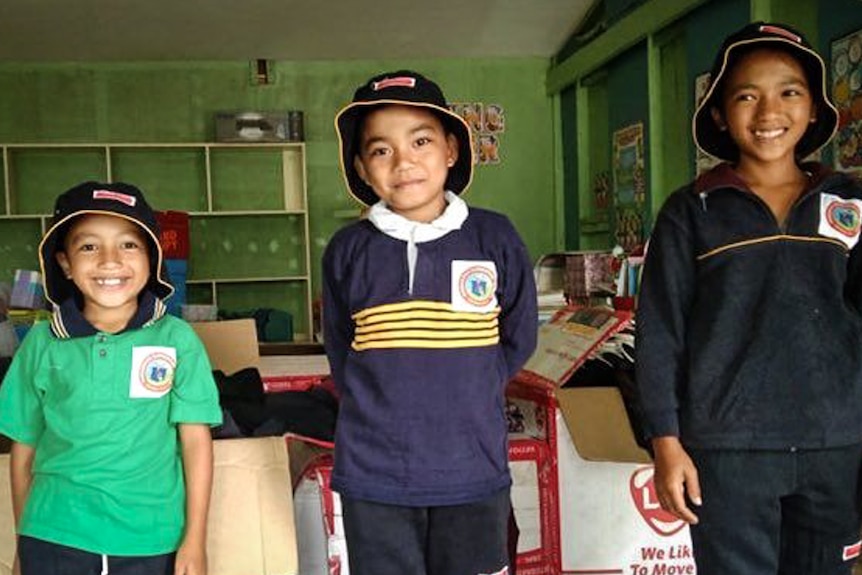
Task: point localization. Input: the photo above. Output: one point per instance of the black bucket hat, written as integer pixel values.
(716, 142)
(406, 88)
(117, 199)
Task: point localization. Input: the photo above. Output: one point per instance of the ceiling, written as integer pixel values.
(130, 30)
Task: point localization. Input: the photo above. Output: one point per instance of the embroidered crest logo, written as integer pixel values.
(840, 219)
(844, 218)
(477, 285)
(152, 371)
(474, 285)
(642, 488)
(157, 372)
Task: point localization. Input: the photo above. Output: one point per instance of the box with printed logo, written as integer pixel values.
(609, 520)
(610, 517)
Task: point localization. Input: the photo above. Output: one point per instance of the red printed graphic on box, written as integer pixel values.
(643, 494)
(671, 558)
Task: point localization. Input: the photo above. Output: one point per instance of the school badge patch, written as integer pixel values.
(152, 373)
(840, 219)
(474, 285)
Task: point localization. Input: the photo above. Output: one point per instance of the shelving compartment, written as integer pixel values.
(37, 175)
(225, 247)
(259, 178)
(19, 246)
(171, 177)
(290, 296)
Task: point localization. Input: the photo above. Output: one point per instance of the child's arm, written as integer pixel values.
(21, 477)
(519, 314)
(337, 323)
(197, 450)
(675, 478)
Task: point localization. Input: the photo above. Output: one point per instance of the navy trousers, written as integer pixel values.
(38, 557)
(466, 539)
(795, 512)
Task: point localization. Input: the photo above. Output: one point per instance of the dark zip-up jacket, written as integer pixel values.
(749, 331)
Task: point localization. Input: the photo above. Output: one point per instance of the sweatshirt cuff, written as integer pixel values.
(661, 423)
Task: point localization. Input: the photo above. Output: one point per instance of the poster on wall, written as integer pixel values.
(847, 95)
(629, 185)
(487, 122)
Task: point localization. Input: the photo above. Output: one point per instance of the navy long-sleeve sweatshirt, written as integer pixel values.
(422, 369)
(749, 331)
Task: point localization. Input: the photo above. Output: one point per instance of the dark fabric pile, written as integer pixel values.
(251, 412)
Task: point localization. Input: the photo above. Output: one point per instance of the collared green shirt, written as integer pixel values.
(102, 413)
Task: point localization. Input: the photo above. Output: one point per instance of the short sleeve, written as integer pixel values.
(194, 396)
(21, 415)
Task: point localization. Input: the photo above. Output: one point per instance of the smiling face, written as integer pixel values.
(405, 155)
(107, 259)
(766, 106)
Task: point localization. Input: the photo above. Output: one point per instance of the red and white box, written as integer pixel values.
(609, 518)
(293, 372)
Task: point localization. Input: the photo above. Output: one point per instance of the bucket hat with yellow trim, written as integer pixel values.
(115, 199)
(718, 143)
(406, 88)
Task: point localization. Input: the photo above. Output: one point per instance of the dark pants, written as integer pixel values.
(777, 512)
(40, 557)
(448, 540)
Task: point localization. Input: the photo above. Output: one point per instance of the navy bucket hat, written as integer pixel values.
(116, 199)
(405, 88)
(718, 143)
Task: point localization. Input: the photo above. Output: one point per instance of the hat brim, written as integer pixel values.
(58, 288)
(347, 122)
(710, 139)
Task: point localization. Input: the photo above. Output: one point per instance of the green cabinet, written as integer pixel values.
(248, 208)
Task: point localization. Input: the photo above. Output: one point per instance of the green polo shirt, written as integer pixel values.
(102, 412)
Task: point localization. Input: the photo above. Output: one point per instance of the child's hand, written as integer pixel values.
(16, 566)
(675, 478)
(191, 559)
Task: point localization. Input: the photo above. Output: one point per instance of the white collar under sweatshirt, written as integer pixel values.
(399, 227)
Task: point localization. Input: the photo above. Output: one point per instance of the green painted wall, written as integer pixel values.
(569, 129)
(175, 102)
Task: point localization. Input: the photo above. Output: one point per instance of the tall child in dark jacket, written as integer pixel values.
(430, 308)
(749, 349)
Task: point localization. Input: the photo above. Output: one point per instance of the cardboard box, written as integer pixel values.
(282, 373)
(566, 342)
(609, 517)
(7, 521)
(231, 344)
(251, 528)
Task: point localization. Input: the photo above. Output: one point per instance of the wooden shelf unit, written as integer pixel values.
(247, 205)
